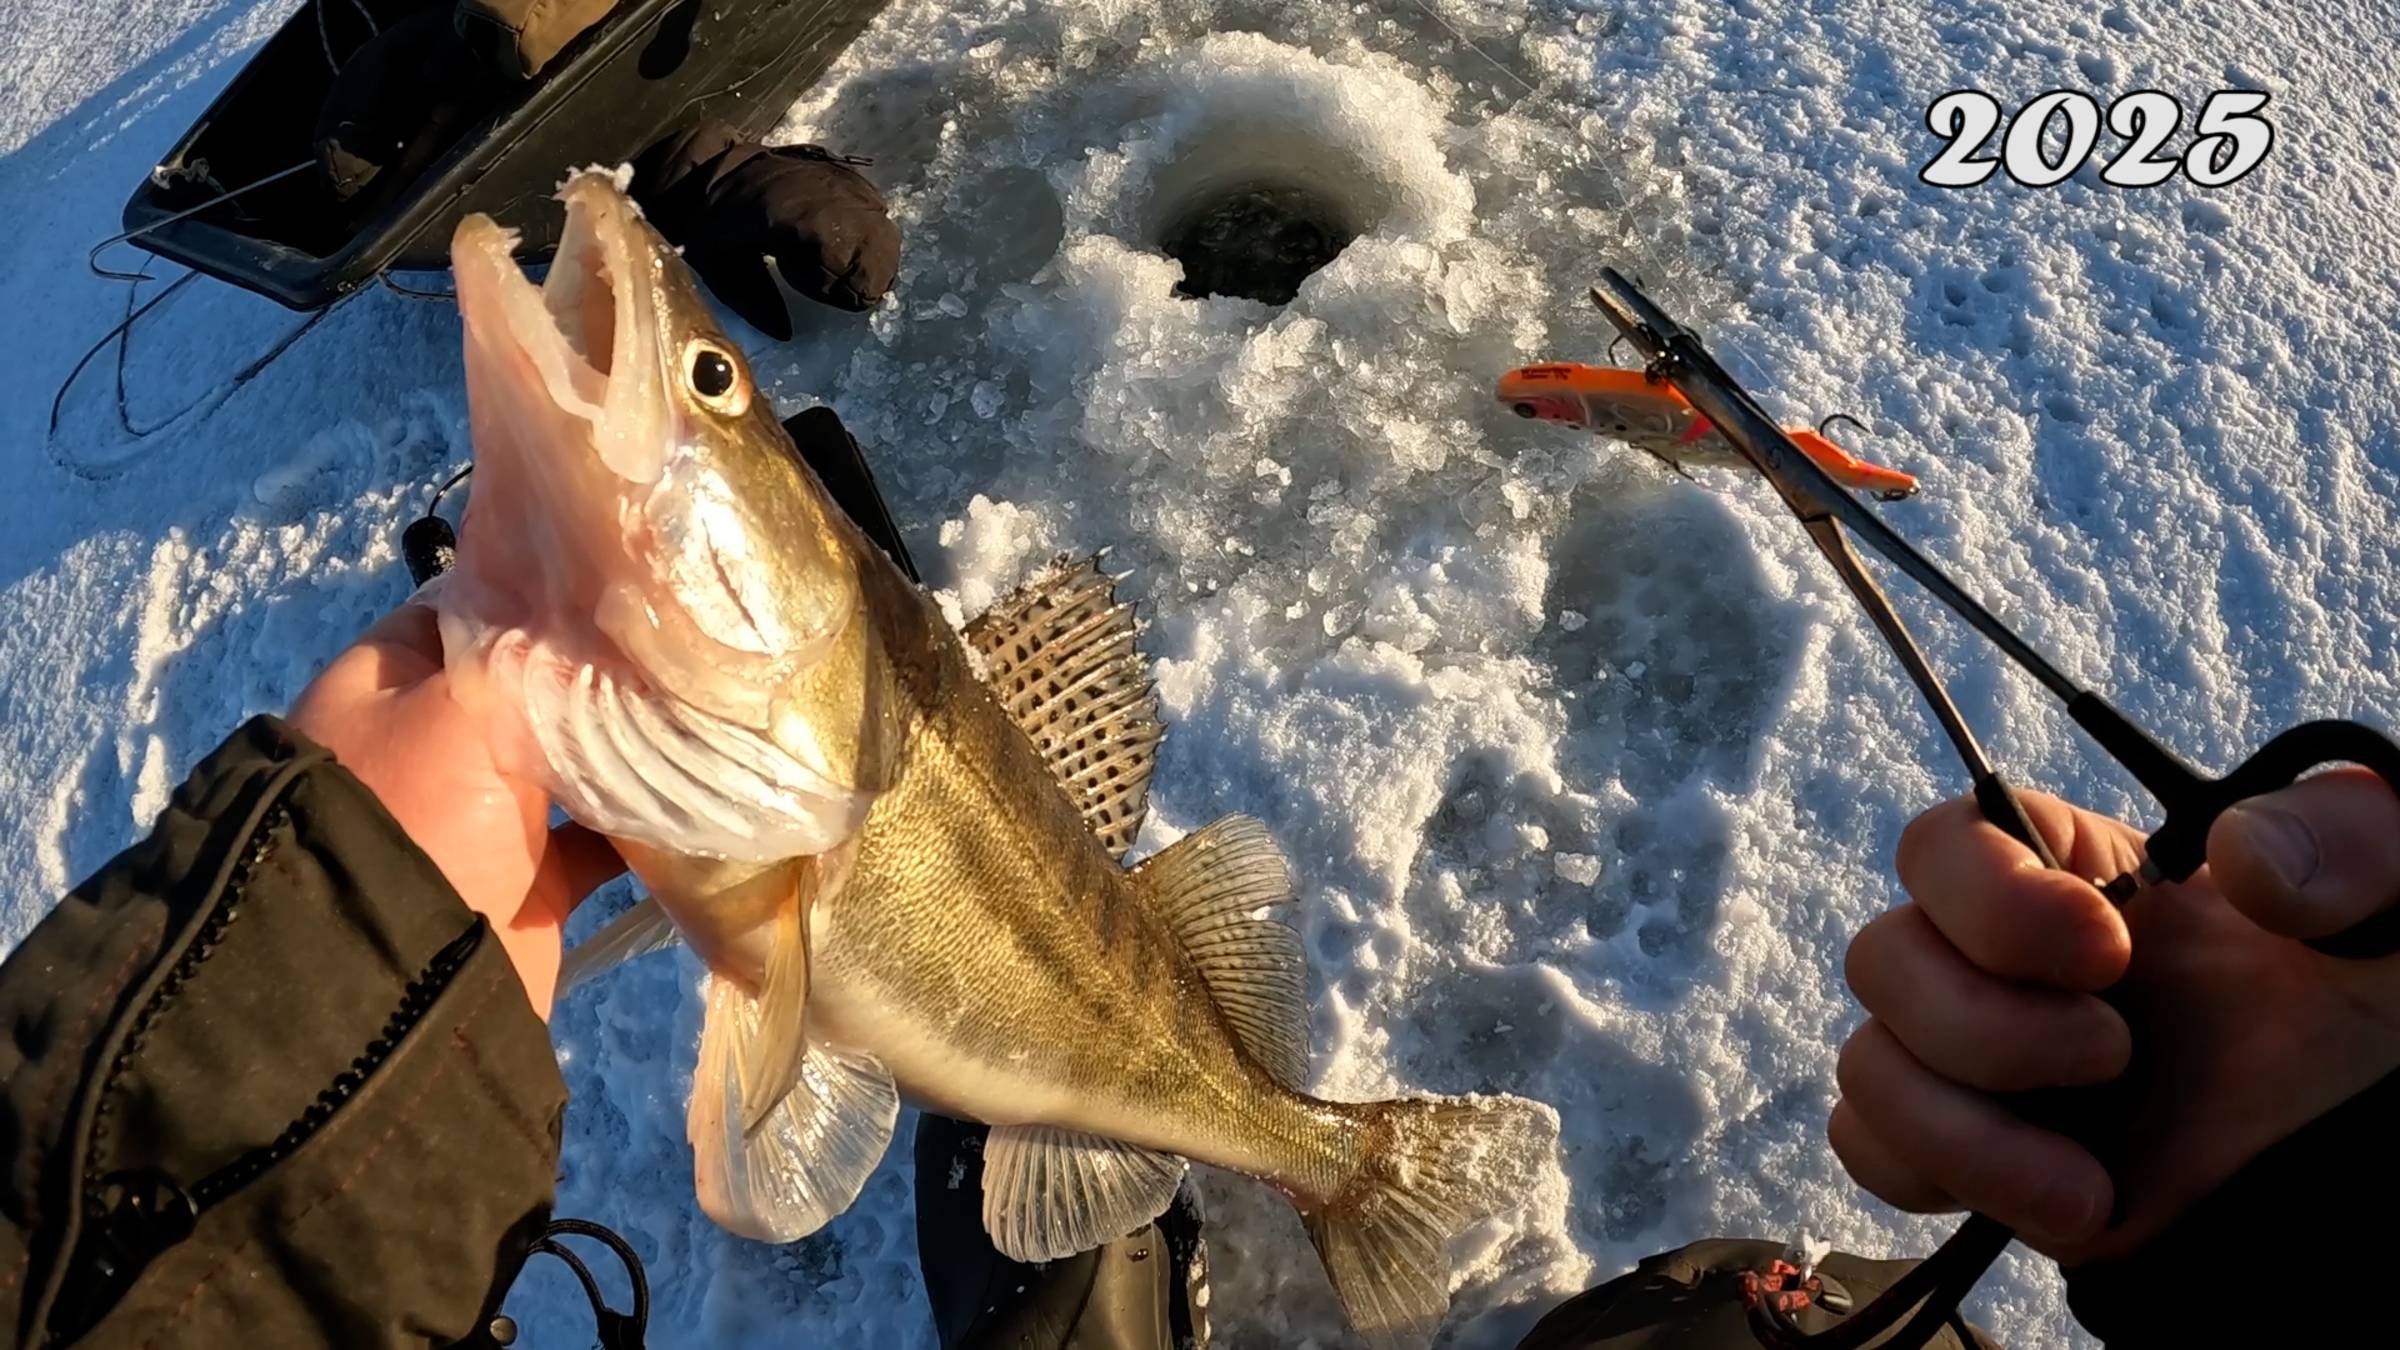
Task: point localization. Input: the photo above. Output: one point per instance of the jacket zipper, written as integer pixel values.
(416, 1000)
(131, 1217)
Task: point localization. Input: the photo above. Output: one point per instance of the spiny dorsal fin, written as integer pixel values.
(1216, 887)
(1059, 654)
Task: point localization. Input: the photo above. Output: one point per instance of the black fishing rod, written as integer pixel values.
(1932, 1291)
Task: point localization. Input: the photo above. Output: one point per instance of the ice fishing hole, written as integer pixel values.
(1258, 241)
(1252, 206)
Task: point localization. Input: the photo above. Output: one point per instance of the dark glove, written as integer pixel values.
(731, 206)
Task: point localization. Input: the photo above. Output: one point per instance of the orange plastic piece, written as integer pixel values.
(1628, 405)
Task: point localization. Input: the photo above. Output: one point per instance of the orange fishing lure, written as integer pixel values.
(1626, 404)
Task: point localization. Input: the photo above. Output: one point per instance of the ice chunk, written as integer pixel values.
(1576, 869)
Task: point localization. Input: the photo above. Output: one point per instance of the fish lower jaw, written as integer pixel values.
(511, 331)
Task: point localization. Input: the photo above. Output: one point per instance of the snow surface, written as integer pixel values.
(1587, 773)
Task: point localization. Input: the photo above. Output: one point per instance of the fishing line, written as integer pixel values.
(121, 332)
(1470, 44)
(411, 292)
(239, 378)
(325, 39)
(453, 481)
(91, 260)
(1646, 254)
(59, 399)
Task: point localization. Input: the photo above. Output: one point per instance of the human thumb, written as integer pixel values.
(2314, 858)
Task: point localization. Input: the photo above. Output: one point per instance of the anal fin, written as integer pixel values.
(1049, 1193)
(814, 1150)
(1219, 887)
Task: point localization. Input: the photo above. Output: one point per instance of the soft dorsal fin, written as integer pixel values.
(1218, 887)
(1060, 655)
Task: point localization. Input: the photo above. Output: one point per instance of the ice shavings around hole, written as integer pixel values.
(2182, 496)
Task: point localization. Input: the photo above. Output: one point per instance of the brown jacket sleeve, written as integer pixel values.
(267, 1082)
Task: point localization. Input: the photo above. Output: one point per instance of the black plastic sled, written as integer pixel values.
(648, 68)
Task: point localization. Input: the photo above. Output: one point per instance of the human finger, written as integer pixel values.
(1974, 1027)
(1872, 1164)
(1969, 1146)
(575, 862)
(2311, 859)
(2006, 912)
(401, 649)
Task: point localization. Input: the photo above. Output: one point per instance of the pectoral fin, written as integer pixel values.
(770, 1062)
(751, 923)
(639, 931)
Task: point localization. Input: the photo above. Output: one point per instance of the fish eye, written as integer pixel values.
(1524, 410)
(715, 378)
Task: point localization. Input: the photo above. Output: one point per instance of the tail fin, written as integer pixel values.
(1433, 1169)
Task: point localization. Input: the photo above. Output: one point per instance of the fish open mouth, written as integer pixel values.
(585, 340)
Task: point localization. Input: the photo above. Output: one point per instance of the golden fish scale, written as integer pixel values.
(983, 917)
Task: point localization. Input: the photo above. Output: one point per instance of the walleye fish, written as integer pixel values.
(902, 864)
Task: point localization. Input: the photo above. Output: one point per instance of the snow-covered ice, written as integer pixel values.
(1608, 860)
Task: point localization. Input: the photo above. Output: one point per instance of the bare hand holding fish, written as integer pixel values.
(384, 707)
(901, 863)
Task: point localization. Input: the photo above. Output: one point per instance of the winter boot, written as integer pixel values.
(1144, 1291)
